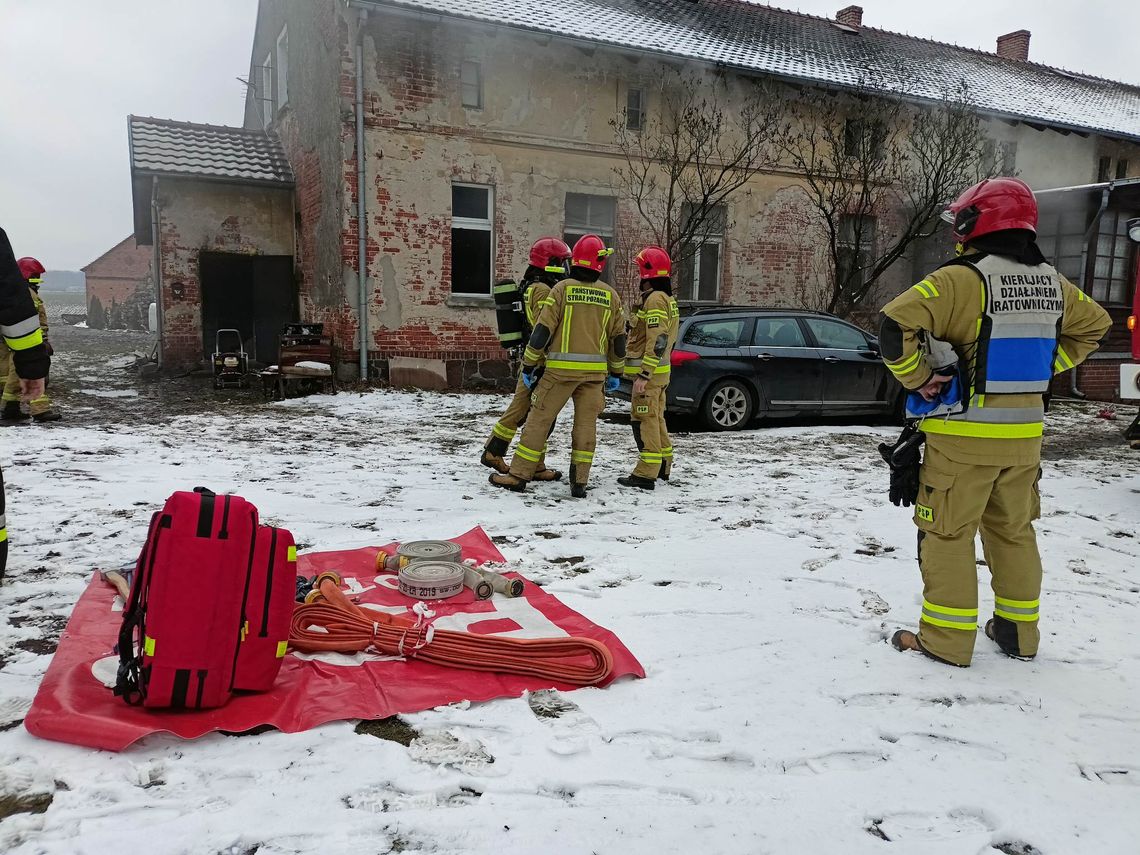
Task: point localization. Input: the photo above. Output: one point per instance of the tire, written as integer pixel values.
(727, 406)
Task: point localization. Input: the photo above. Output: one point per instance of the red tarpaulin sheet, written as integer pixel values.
(74, 705)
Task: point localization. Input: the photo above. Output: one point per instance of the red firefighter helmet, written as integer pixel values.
(653, 262)
(991, 206)
(590, 252)
(550, 254)
(30, 268)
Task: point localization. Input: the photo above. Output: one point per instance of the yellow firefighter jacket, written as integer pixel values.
(38, 302)
(658, 315)
(536, 292)
(1000, 317)
(584, 319)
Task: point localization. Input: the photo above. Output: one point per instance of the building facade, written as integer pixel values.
(119, 286)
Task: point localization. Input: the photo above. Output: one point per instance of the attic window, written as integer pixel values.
(845, 28)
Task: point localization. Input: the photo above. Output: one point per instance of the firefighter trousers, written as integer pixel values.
(955, 502)
(550, 396)
(655, 449)
(508, 424)
(42, 404)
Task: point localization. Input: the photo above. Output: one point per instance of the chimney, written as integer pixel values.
(852, 16)
(1014, 45)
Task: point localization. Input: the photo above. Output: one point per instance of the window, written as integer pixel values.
(1103, 169)
(635, 109)
(856, 249)
(699, 279)
(863, 139)
(1061, 237)
(1009, 157)
(1109, 268)
(837, 336)
(265, 91)
(1121, 169)
(778, 332)
(472, 239)
(716, 333)
(283, 68)
(589, 215)
(471, 84)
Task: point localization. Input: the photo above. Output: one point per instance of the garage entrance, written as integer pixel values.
(255, 294)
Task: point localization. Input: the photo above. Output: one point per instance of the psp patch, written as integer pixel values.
(924, 513)
(641, 409)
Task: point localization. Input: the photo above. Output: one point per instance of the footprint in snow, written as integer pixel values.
(572, 727)
(440, 748)
(916, 826)
(873, 603)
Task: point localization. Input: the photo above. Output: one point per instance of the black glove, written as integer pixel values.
(904, 458)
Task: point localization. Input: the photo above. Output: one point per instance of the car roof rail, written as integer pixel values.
(689, 309)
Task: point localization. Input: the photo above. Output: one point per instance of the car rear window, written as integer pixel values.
(778, 332)
(725, 333)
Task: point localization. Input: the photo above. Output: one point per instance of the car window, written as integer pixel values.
(715, 333)
(778, 332)
(836, 335)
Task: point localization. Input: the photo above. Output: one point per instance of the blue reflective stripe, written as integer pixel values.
(1020, 359)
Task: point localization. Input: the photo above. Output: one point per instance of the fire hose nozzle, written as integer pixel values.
(500, 584)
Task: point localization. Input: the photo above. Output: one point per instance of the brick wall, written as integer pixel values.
(121, 278)
(1099, 379)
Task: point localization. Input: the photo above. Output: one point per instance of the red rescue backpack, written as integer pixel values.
(206, 613)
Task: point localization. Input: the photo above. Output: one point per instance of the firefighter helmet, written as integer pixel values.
(653, 263)
(30, 269)
(550, 255)
(590, 252)
(992, 205)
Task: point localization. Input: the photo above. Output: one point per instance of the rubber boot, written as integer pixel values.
(1004, 634)
(12, 414)
(493, 454)
(509, 482)
(544, 474)
(577, 491)
(638, 482)
(49, 416)
(666, 469)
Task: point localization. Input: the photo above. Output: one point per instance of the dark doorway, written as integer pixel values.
(255, 294)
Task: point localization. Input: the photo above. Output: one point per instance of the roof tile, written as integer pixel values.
(208, 151)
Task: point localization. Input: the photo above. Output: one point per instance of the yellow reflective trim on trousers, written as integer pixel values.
(667, 452)
(1016, 616)
(26, 341)
(972, 626)
(503, 432)
(952, 427)
(3, 535)
(528, 454)
(581, 457)
(949, 610)
(1018, 604)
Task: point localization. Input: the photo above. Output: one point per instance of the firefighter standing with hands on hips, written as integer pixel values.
(650, 346)
(39, 408)
(977, 343)
(549, 261)
(581, 332)
(20, 326)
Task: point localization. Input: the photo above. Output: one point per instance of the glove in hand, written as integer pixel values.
(612, 383)
(530, 379)
(904, 459)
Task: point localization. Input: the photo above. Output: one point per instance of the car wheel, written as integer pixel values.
(727, 406)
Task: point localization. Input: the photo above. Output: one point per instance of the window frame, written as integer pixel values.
(865, 247)
(690, 286)
(479, 225)
(266, 102)
(478, 84)
(640, 111)
(805, 342)
(588, 226)
(281, 70)
(1103, 169)
(1120, 267)
(1121, 168)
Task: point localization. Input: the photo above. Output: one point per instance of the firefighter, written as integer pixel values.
(650, 344)
(580, 331)
(549, 261)
(20, 327)
(40, 408)
(979, 341)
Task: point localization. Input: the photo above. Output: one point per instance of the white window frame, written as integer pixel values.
(264, 91)
(630, 90)
(691, 289)
(478, 66)
(282, 69)
(608, 235)
(478, 225)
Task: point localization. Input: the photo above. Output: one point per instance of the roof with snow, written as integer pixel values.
(797, 47)
(212, 152)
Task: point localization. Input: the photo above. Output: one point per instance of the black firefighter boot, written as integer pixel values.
(638, 482)
(494, 453)
(578, 491)
(509, 482)
(12, 414)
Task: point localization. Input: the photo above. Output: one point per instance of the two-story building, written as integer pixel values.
(429, 142)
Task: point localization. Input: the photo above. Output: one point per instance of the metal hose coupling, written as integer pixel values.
(500, 584)
(479, 586)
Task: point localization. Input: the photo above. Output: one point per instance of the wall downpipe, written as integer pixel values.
(1077, 393)
(361, 203)
(156, 262)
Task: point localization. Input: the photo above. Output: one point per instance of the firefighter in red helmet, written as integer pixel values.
(977, 343)
(580, 333)
(23, 339)
(549, 263)
(651, 341)
(40, 407)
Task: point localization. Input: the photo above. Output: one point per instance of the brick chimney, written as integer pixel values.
(852, 16)
(1014, 45)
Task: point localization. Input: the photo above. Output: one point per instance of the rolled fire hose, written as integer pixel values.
(428, 550)
(331, 622)
(432, 580)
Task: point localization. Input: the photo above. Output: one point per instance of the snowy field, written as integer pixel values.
(758, 589)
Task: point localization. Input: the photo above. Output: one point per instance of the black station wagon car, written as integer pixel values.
(734, 364)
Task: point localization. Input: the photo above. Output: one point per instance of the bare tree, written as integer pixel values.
(878, 170)
(682, 166)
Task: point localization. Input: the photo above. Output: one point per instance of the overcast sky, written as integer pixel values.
(72, 70)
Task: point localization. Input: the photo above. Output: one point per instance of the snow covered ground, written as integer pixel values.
(758, 589)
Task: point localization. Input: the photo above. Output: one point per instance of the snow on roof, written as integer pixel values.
(164, 147)
(794, 46)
